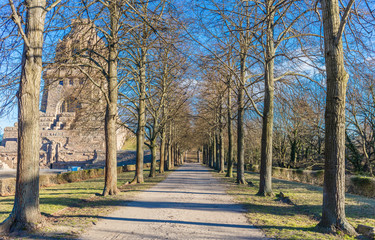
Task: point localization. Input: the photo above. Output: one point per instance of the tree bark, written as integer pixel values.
(265, 184)
(153, 158)
(333, 212)
(230, 134)
(221, 167)
(217, 165)
(170, 148)
(204, 154)
(141, 120)
(162, 151)
(175, 154)
(110, 183)
(26, 214)
(210, 154)
(214, 152)
(240, 124)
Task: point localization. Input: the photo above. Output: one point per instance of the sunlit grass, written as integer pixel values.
(69, 208)
(282, 221)
(130, 144)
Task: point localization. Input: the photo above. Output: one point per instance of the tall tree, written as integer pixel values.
(265, 183)
(333, 212)
(26, 213)
(111, 116)
(280, 20)
(106, 60)
(144, 17)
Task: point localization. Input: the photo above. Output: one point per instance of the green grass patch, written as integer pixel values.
(69, 208)
(130, 144)
(282, 221)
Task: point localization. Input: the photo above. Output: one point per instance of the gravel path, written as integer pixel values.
(189, 204)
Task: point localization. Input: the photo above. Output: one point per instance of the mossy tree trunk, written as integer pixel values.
(265, 184)
(333, 212)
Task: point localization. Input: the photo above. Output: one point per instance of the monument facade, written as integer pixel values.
(72, 106)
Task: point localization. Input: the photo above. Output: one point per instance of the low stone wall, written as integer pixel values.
(8, 185)
(364, 186)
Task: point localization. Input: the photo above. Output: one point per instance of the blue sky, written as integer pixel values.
(8, 121)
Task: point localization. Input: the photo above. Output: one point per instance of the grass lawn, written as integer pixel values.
(70, 208)
(282, 221)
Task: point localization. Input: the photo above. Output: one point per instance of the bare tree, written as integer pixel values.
(26, 214)
(333, 212)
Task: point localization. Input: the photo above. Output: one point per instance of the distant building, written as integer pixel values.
(72, 107)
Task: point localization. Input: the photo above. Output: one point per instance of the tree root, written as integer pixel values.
(152, 174)
(265, 194)
(134, 181)
(110, 191)
(241, 181)
(341, 225)
(11, 225)
(6, 225)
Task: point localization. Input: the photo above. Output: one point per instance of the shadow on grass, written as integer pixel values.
(10, 200)
(312, 211)
(82, 203)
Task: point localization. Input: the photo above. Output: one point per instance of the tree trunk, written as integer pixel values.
(333, 212)
(170, 149)
(221, 143)
(265, 184)
(166, 152)
(204, 154)
(240, 125)
(217, 165)
(221, 164)
(153, 158)
(230, 134)
(172, 155)
(141, 121)
(214, 154)
(210, 154)
(293, 153)
(222, 160)
(175, 154)
(110, 183)
(26, 214)
(162, 152)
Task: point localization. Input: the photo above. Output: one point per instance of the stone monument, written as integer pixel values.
(72, 106)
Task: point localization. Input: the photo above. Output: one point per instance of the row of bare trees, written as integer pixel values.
(139, 71)
(269, 53)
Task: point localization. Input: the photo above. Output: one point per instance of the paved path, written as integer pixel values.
(189, 204)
